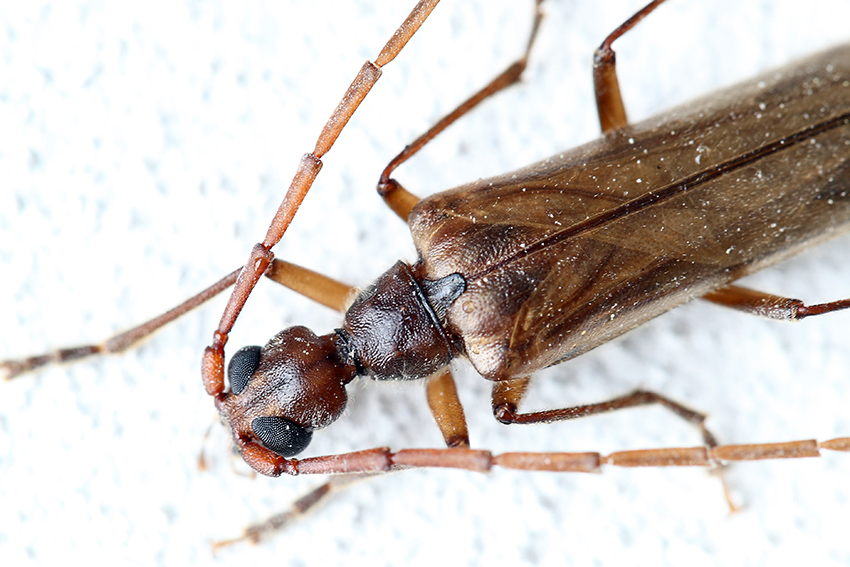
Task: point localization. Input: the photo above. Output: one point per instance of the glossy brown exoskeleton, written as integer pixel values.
(523, 271)
(529, 269)
(394, 330)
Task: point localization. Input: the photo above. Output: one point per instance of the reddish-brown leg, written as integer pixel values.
(506, 400)
(447, 409)
(609, 102)
(508, 395)
(771, 306)
(212, 368)
(397, 197)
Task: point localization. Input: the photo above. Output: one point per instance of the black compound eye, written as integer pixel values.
(242, 366)
(280, 435)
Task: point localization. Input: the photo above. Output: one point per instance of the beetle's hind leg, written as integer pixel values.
(399, 199)
(771, 306)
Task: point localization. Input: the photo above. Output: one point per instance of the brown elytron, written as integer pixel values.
(531, 268)
(565, 254)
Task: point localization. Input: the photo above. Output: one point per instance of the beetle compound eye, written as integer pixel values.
(242, 366)
(285, 438)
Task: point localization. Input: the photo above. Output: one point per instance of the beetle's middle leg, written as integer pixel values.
(508, 394)
(447, 409)
(399, 199)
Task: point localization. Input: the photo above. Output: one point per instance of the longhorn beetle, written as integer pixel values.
(87, 395)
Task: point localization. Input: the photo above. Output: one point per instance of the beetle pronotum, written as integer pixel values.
(141, 417)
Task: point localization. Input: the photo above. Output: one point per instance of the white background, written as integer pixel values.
(143, 150)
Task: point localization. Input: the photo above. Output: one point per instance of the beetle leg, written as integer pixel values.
(505, 410)
(609, 102)
(508, 393)
(312, 285)
(506, 400)
(397, 197)
(447, 409)
(771, 306)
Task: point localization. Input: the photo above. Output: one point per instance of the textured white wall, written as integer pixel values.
(143, 150)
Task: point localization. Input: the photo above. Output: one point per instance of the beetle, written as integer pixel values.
(108, 389)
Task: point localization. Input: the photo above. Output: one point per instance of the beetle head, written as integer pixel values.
(283, 391)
